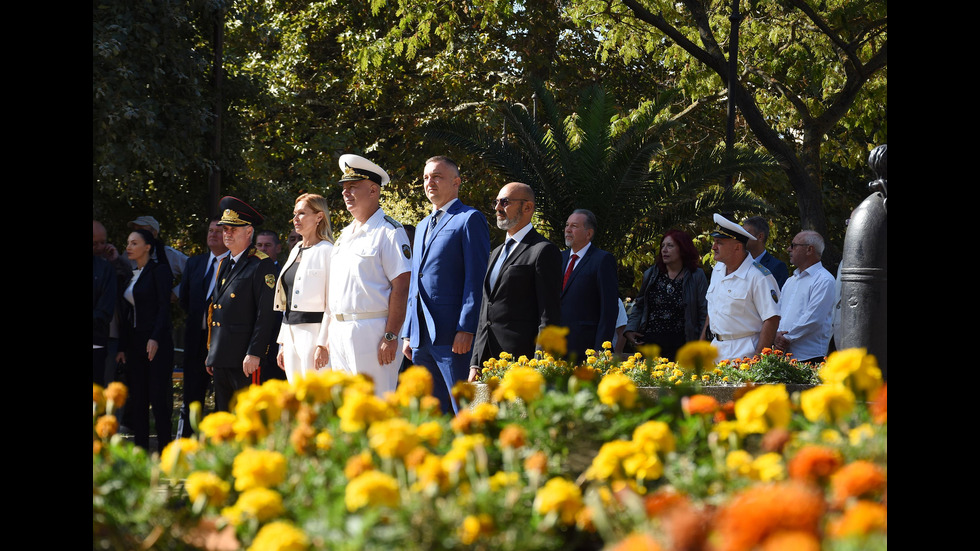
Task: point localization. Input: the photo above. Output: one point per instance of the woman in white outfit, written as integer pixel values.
(301, 291)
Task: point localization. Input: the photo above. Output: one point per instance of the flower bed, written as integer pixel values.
(548, 462)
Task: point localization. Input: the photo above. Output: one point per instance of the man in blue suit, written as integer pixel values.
(452, 247)
(759, 228)
(590, 287)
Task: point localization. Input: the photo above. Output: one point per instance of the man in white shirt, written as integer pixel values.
(370, 272)
(807, 301)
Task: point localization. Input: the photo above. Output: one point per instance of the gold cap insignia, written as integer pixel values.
(231, 217)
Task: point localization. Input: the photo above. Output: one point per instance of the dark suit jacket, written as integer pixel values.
(194, 300)
(151, 293)
(527, 297)
(590, 301)
(776, 266)
(241, 316)
(448, 275)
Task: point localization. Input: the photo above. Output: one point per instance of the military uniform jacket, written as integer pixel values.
(241, 315)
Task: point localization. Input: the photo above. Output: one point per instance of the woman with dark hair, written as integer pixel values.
(145, 342)
(671, 306)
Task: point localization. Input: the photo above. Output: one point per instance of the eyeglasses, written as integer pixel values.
(792, 245)
(504, 201)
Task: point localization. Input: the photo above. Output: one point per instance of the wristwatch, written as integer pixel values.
(389, 336)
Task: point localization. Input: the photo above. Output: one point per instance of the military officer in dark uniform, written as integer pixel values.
(240, 314)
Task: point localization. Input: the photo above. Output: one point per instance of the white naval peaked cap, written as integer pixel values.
(357, 168)
(731, 230)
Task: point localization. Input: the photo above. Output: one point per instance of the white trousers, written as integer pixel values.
(354, 349)
(298, 346)
(736, 348)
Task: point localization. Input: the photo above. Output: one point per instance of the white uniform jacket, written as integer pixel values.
(310, 287)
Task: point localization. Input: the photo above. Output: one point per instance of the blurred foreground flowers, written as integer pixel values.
(558, 457)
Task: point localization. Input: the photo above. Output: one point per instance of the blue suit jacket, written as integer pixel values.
(776, 266)
(590, 301)
(193, 299)
(447, 275)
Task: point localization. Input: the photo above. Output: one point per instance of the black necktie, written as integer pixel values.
(433, 220)
(224, 271)
(209, 276)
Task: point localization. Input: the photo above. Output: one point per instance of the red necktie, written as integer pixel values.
(568, 272)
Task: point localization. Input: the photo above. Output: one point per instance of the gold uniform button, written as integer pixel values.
(233, 295)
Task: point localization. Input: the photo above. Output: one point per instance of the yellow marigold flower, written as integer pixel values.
(360, 409)
(106, 426)
(739, 463)
(116, 393)
(854, 367)
(584, 372)
(416, 382)
(173, 458)
(473, 526)
(358, 464)
(768, 467)
(606, 345)
(261, 504)
(320, 387)
(591, 360)
(255, 468)
(513, 436)
(524, 383)
(430, 431)
(697, 356)
(649, 350)
(828, 402)
(371, 488)
(831, 436)
(861, 518)
(643, 465)
(218, 426)
(462, 448)
(762, 408)
(257, 409)
(552, 339)
(323, 441)
(208, 486)
(590, 351)
(486, 412)
(608, 463)
(860, 433)
(393, 437)
(617, 389)
(464, 391)
(430, 473)
(503, 479)
(506, 356)
(559, 496)
(654, 436)
(280, 535)
(725, 429)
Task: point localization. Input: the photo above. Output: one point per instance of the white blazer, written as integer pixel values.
(310, 286)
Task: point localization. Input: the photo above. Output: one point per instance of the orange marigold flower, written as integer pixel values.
(106, 426)
(857, 479)
(687, 527)
(775, 440)
(301, 437)
(761, 510)
(637, 542)
(537, 462)
(814, 463)
(662, 500)
(861, 518)
(513, 436)
(700, 404)
(358, 464)
(117, 393)
(797, 540)
(879, 405)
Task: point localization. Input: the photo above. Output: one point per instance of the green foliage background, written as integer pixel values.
(305, 81)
